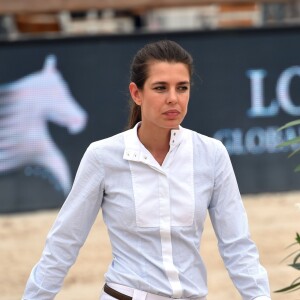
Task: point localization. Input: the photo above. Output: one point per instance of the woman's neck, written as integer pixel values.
(156, 141)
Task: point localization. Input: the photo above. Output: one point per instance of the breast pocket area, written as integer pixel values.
(162, 199)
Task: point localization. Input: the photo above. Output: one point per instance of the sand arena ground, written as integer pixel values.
(274, 219)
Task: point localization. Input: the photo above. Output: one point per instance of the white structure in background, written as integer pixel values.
(183, 18)
(203, 17)
(26, 105)
(94, 23)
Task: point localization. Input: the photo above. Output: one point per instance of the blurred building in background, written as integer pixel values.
(19, 18)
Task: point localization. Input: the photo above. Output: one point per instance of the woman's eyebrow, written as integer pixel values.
(159, 82)
(164, 82)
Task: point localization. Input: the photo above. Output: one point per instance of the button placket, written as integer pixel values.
(165, 235)
(164, 200)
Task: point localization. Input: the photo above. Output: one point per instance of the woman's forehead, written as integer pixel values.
(164, 71)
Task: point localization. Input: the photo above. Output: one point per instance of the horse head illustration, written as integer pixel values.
(26, 106)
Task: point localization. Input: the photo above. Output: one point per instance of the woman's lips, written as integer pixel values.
(171, 113)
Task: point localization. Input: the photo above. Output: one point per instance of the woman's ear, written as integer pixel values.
(135, 93)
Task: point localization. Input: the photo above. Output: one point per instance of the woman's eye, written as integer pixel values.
(159, 88)
(183, 88)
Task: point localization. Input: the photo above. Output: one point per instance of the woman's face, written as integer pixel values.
(165, 95)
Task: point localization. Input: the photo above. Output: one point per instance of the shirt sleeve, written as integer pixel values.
(230, 223)
(69, 231)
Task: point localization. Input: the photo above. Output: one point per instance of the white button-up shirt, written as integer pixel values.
(155, 216)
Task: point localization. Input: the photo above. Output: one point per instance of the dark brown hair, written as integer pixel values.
(165, 50)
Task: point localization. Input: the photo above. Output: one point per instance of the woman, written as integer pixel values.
(154, 184)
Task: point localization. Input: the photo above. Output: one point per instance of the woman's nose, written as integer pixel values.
(172, 96)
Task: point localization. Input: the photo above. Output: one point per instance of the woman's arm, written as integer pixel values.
(230, 223)
(69, 231)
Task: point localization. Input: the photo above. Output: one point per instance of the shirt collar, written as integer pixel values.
(135, 150)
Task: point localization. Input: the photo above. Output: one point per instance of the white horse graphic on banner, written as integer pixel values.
(26, 105)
